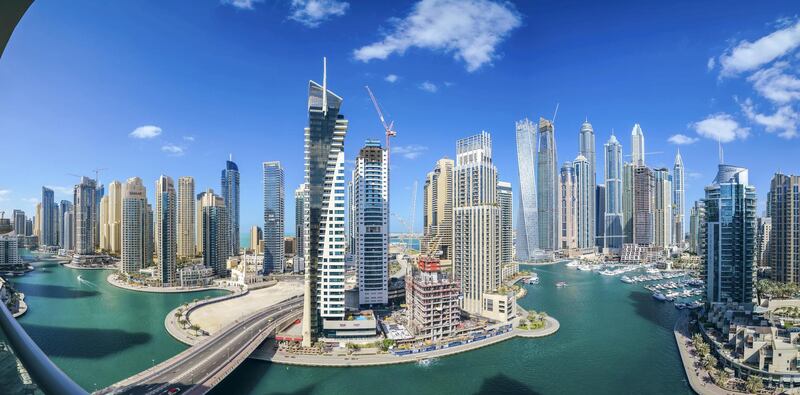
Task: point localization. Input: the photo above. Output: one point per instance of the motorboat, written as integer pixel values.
(561, 284)
(626, 280)
(659, 296)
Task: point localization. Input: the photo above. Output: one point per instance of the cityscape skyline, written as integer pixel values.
(184, 148)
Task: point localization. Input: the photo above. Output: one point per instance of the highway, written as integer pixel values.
(201, 367)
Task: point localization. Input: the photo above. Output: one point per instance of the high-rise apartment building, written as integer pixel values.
(229, 183)
(437, 211)
(784, 237)
(111, 219)
(323, 238)
(587, 150)
(613, 175)
(198, 234)
(584, 203)
(63, 207)
(567, 239)
(215, 222)
(678, 201)
(37, 220)
(505, 197)
(370, 202)
(627, 202)
(68, 230)
(186, 217)
(547, 187)
(697, 216)
(763, 247)
(729, 235)
(299, 219)
(256, 240)
(432, 300)
(135, 234)
(663, 223)
(49, 222)
(527, 222)
(637, 145)
(18, 220)
(600, 215)
(99, 193)
(643, 184)
(164, 224)
(274, 215)
(476, 222)
(84, 204)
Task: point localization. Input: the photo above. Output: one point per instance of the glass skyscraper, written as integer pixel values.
(215, 224)
(547, 181)
(587, 150)
(49, 221)
(273, 218)
(584, 203)
(85, 222)
(229, 182)
(613, 218)
(527, 223)
(678, 201)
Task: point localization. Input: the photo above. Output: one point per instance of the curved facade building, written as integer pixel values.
(527, 223)
(547, 181)
(613, 201)
(587, 150)
(584, 202)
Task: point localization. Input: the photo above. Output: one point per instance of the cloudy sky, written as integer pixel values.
(141, 88)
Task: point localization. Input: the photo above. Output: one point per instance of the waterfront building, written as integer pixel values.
(197, 275)
(627, 202)
(68, 230)
(256, 240)
(134, 228)
(37, 220)
(587, 150)
(84, 203)
(643, 184)
(432, 300)
(637, 145)
(49, 222)
(149, 236)
(323, 233)
(274, 252)
(729, 235)
(103, 218)
(437, 211)
(663, 223)
(9, 247)
(600, 215)
(697, 216)
(18, 221)
(584, 203)
(215, 224)
(678, 201)
(547, 188)
(370, 223)
(566, 229)
(111, 219)
(527, 242)
(186, 217)
(764, 228)
(28, 227)
(613, 173)
(784, 237)
(164, 224)
(476, 222)
(63, 207)
(505, 196)
(198, 234)
(229, 183)
(98, 196)
(299, 219)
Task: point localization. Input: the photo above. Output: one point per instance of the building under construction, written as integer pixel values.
(432, 300)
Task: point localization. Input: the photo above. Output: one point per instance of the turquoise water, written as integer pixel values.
(614, 339)
(96, 333)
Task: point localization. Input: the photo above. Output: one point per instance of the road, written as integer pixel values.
(199, 368)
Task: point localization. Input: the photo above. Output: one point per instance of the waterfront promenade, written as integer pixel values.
(114, 280)
(269, 351)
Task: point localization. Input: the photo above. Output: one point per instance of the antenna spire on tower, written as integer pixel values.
(325, 85)
(721, 153)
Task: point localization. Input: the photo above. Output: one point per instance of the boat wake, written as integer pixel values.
(87, 282)
(427, 362)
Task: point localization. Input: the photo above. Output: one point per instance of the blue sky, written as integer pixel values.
(209, 78)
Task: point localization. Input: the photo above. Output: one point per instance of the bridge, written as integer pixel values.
(201, 367)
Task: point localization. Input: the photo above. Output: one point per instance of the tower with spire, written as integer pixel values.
(678, 200)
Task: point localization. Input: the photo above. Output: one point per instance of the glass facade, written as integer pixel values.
(527, 224)
(274, 253)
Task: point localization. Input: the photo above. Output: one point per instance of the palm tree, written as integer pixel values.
(195, 328)
(183, 323)
(754, 384)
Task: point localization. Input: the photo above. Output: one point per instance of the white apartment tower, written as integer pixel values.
(134, 227)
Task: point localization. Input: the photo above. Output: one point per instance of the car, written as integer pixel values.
(173, 390)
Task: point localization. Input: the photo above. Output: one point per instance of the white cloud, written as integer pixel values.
(392, 78)
(682, 139)
(188, 138)
(711, 63)
(172, 149)
(747, 56)
(470, 30)
(4, 194)
(242, 4)
(409, 151)
(721, 127)
(428, 86)
(784, 121)
(145, 132)
(313, 12)
(775, 84)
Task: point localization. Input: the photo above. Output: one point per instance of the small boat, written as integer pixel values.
(626, 280)
(573, 264)
(561, 284)
(659, 296)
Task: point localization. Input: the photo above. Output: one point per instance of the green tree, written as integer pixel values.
(195, 328)
(754, 384)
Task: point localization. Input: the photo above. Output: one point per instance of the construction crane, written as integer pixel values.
(97, 174)
(388, 128)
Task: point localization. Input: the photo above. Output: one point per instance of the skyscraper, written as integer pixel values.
(613, 219)
(198, 235)
(274, 191)
(437, 212)
(587, 150)
(527, 223)
(370, 200)
(600, 215)
(697, 216)
(299, 219)
(566, 229)
(68, 230)
(678, 201)
(256, 239)
(103, 218)
(324, 202)
(663, 223)
(505, 197)
(111, 219)
(63, 207)
(98, 196)
(643, 205)
(18, 220)
(49, 222)
(215, 224)
(637, 145)
(784, 237)
(165, 233)
(134, 227)
(584, 203)
(730, 235)
(37, 221)
(547, 187)
(476, 222)
(627, 202)
(186, 217)
(763, 245)
(85, 222)
(230, 192)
